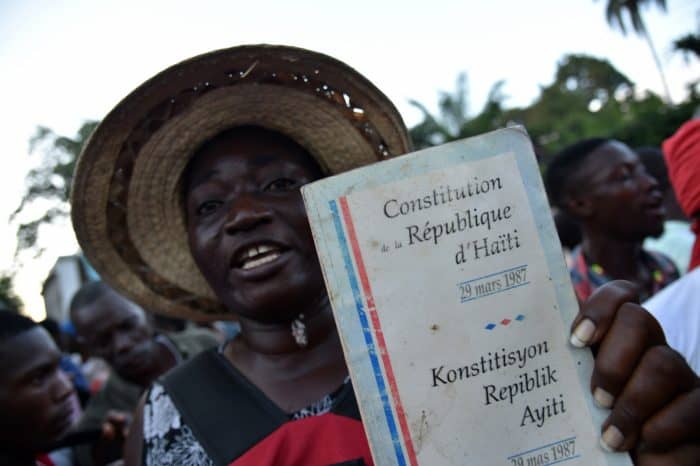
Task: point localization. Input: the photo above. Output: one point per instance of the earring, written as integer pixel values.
(299, 331)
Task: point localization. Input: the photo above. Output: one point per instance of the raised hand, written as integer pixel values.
(653, 395)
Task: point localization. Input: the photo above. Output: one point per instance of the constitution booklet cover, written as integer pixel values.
(453, 303)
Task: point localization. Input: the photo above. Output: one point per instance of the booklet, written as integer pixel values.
(453, 303)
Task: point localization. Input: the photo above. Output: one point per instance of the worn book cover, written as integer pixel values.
(453, 303)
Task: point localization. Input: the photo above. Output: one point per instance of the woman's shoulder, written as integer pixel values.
(167, 439)
(160, 415)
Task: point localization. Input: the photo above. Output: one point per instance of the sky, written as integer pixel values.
(64, 62)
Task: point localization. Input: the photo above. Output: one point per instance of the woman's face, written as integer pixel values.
(247, 227)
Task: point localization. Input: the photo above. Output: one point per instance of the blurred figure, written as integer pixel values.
(677, 308)
(165, 324)
(569, 233)
(68, 365)
(37, 400)
(677, 239)
(603, 185)
(117, 330)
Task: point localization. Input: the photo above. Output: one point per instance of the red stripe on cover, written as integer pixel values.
(377, 328)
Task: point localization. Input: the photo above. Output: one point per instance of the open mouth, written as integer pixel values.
(655, 208)
(64, 419)
(256, 255)
(134, 361)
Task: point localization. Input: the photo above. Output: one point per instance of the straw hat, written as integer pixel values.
(126, 196)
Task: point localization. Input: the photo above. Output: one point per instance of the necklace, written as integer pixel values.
(656, 284)
(299, 331)
(656, 274)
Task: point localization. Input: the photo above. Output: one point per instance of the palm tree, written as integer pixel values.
(618, 12)
(453, 121)
(689, 45)
(453, 113)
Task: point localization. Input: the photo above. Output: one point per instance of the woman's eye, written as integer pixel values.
(208, 207)
(281, 184)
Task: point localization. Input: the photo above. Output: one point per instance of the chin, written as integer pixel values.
(270, 311)
(655, 232)
(133, 376)
(279, 305)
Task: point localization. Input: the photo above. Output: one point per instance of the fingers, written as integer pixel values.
(685, 455)
(629, 335)
(116, 463)
(598, 312)
(117, 417)
(677, 423)
(108, 431)
(116, 423)
(653, 395)
(659, 378)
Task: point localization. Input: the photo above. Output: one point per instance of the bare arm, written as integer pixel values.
(133, 447)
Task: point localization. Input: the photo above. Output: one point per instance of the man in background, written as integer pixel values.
(37, 400)
(115, 329)
(677, 308)
(603, 185)
(676, 242)
(68, 365)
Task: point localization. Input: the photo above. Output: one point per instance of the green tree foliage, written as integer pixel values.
(50, 180)
(453, 121)
(587, 98)
(452, 115)
(619, 12)
(8, 299)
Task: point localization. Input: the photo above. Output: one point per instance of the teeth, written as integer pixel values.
(256, 251)
(257, 255)
(249, 264)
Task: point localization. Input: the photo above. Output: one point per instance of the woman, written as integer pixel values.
(186, 199)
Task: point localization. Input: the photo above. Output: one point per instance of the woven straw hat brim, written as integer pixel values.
(126, 194)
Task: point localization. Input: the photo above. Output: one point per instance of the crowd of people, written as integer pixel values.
(633, 215)
(186, 201)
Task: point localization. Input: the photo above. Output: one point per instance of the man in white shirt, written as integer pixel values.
(677, 307)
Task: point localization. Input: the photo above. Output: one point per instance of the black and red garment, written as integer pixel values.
(229, 421)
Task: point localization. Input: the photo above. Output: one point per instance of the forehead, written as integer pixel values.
(26, 351)
(242, 151)
(605, 160)
(107, 309)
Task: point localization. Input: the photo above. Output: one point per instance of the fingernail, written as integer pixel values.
(603, 398)
(583, 333)
(611, 439)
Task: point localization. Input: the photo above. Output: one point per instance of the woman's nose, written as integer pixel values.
(245, 213)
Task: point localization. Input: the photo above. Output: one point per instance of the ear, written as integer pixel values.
(579, 206)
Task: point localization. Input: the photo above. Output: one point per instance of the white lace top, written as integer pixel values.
(169, 441)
